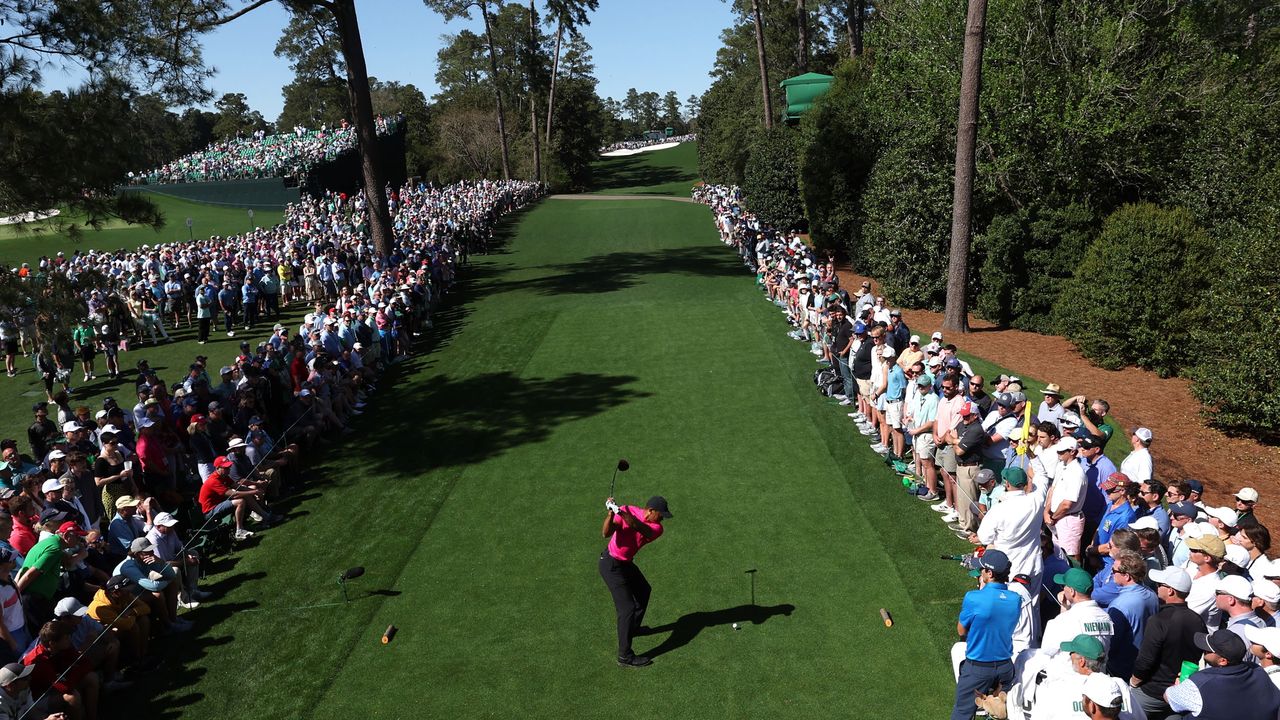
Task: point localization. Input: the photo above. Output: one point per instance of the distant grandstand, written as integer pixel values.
(270, 171)
(283, 155)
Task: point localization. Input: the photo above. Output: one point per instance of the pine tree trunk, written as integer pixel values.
(533, 98)
(956, 315)
(855, 31)
(344, 12)
(497, 91)
(802, 31)
(555, 70)
(764, 68)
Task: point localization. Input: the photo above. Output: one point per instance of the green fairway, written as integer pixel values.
(473, 496)
(19, 245)
(660, 172)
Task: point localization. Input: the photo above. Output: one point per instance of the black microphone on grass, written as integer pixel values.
(349, 574)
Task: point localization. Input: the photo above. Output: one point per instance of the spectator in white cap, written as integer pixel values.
(1266, 600)
(16, 702)
(1102, 698)
(912, 354)
(1234, 598)
(100, 650)
(125, 527)
(168, 548)
(1167, 641)
(1264, 645)
(1246, 499)
(1223, 520)
(1064, 512)
(1137, 464)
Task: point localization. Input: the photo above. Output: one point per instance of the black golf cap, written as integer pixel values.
(659, 503)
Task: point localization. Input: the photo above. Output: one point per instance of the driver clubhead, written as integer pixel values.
(623, 465)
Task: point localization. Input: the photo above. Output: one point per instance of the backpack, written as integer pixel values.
(828, 381)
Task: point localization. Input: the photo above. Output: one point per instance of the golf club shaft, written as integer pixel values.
(613, 482)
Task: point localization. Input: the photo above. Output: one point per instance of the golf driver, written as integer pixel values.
(623, 466)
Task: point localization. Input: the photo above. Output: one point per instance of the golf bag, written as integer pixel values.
(828, 381)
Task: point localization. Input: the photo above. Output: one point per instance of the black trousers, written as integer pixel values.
(630, 593)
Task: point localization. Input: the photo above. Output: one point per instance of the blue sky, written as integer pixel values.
(656, 45)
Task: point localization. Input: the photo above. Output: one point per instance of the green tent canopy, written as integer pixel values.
(801, 91)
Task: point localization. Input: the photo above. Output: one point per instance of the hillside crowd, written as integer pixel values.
(1104, 591)
(108, 516)
(638, 144)
(260, 155)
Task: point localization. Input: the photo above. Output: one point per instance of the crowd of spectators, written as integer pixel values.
(102, 511)
(1103, 591)
(640, 144)
(260, 155)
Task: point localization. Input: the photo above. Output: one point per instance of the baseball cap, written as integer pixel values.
(127, 501)
(141, 544)
(888, 351)
(1248, 495)
(1238, 555)
(1267, 637)
(51, 485)
(1144, 434)
(1225, 514)
(165, 519)
(923, 379)
(1076, 579)
(952, 362)
(1070, 419)
(1193, 486)
(70, 606)
(1089, 442)
(71, 426)
(1015, 476)
(15, 671)
(222, 462)
(984, 476)
(1211, 544)
(1223, 643)
(51, 514)
(71, 527)
(1084, 646)
(915, 339)
(659, 503)
(1004, 400)
(937, 335)
(995, 561)
(1174, 577)
(1235, 586)
(859, 328)
(1146, 522)
(1268, 591)
(120, 582)
(1110, 483)
(57, 455)
(1184, 508)
(967, 408)
(1102, 690)
(1065, 444)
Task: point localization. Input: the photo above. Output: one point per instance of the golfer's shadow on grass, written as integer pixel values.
(687, 627)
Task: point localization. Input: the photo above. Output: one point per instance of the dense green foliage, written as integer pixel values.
(1133, 299)
(769, 181)
(1086, 107)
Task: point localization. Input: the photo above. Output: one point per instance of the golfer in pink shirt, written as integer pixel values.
(629, 528)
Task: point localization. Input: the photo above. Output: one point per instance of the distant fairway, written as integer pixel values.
(661, 172)
(17, 246)
(473, 493)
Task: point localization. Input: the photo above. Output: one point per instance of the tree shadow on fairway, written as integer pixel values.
(619, 271)
(687, 627)
(636, 172)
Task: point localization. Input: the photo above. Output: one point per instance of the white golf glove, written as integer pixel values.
(611, 506)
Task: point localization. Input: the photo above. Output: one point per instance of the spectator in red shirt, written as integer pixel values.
(219, 496)
(55, 667)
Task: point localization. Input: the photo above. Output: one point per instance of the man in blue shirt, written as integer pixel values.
(1097, 469)
(1133, 605)
(1118, 514)
(1149, 496)
(987, 620)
